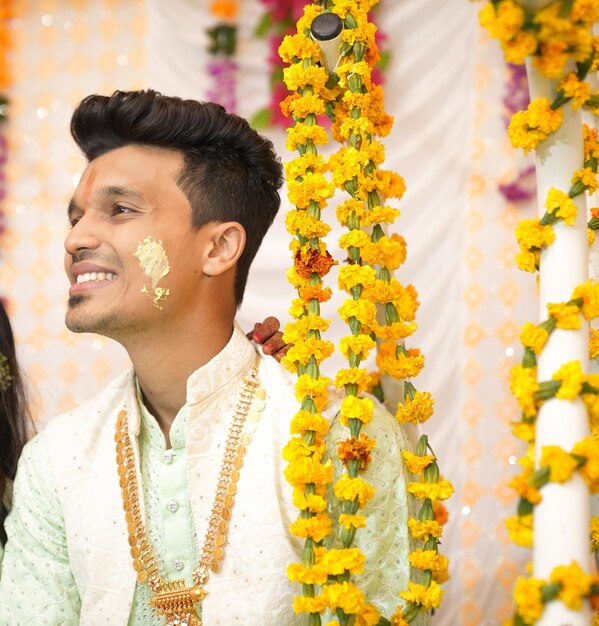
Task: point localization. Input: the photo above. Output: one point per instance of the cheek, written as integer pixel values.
(154, 263)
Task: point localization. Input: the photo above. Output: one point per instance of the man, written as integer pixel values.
(166, 220)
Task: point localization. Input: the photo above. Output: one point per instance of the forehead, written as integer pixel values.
(151, 171)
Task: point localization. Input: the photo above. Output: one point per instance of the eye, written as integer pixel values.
(73, 221)
(119, 209)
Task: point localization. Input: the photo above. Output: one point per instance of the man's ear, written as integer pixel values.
(226, 245)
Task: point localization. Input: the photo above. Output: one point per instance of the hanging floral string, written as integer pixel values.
(279, 19)
(222, 67)
(6, 14)
(355, 104)
(552, 36)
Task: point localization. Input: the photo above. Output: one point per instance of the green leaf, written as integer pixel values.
(262, 119)
(264, 25)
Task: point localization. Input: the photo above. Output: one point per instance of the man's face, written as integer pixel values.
(132, 257)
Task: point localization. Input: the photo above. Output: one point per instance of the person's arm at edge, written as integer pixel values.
(37, 585)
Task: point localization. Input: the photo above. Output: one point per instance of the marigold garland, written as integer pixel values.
(552, 36)
(355, 104)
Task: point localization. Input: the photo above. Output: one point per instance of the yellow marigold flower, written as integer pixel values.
(383, 291)
(567, 316)
(417, 410)
(524, 431)
(304, 421)
(306, 604)
(503, 21)
(354, 274)
(520, 529)
(352, 521)
(521, 486)
(303, 351)
(345, 210)
(591, 402)
(345, 596)
(352, 376)
(423, 530)
(401, 366)
(315, 388)
(362, 310)
(416, 463)
(374, 150)
(356, 408)
(347, 488)
(316, 528)
(428, 559)
(589, 293)
(389, 252)
(313, 187)
(425, 597)
(576, 584)
(313, 502)
(360, 345)
(300, 165)
(295, 279)
(531, 234)
(431, 491)
(380, 215)
(354, 238)
(552, 58)
(560, 463)
(578, 90)
(397, 619)
(364, 33)
(527, 260)
(528, 128)
(346, 164)
(407, 304)
(595, 533)
(524, 385)
(339, 561)
(585, 11)
(396, 331)
(590, 236)
(297, 77)
(300, 223)
(310, 13)
(362, 126)
(561, 205)
(589, 448)
(368, 616)
(534, 337)
(309, 471)
(300, 134)
(587, 177)
(521, 46)
(389, 184)
(594, 343)
(297, 450)
(572, 378)
(299, 47)
(528, 599)
(591, 146)
(297, 308)
(314, 575)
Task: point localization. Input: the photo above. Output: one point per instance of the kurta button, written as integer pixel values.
(178, 565)
(173, 506)
(167, 457)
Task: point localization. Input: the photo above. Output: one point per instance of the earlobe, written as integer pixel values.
(227, 243)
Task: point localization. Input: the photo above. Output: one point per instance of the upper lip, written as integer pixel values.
(86, 267)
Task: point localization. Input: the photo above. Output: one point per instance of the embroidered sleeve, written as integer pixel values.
(37, 585)
(385, 540)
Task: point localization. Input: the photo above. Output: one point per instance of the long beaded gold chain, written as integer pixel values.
(172, 599)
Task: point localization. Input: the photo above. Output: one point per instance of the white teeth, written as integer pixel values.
(95, 276)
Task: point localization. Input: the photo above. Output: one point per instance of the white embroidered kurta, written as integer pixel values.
(67, 559)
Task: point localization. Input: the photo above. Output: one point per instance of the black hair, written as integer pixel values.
(230, 173)
(14, 415)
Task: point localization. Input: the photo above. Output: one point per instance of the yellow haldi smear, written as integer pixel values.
(154, 264)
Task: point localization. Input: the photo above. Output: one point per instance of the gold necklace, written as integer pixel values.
(172, 599)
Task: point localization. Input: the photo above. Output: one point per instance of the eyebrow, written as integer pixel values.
(109, 191)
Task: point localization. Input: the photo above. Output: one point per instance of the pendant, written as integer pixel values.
(178, 603)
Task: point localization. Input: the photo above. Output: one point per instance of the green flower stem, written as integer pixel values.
(593, 223)
(547, 219)
(314, 619)
(576, 189)
(431, 473)
(559, 100)
(550, 592)
(409, 391)
(548, 389)
(422, 445)
(529, 359)
(549, 324)
(540, 477)
(426, 512)
(524, 507)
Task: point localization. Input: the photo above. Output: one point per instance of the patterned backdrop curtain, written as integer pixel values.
(444, 85)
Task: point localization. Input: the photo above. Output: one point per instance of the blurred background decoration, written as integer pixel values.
(449, 89)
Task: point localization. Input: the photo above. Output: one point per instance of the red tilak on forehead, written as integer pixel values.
(89, 183)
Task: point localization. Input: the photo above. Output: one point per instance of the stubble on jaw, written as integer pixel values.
(112, 325)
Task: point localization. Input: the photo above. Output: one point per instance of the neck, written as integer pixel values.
(164, 362)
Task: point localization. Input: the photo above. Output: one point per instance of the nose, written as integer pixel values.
(84, 235)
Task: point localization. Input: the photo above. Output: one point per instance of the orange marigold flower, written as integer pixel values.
(315, 292)
(356, 449)
(309, 261)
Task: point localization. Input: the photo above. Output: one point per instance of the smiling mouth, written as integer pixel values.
(95, 277)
